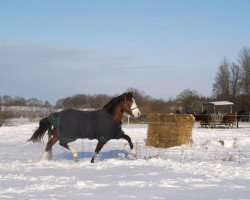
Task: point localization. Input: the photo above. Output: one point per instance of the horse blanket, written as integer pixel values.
(73, 124)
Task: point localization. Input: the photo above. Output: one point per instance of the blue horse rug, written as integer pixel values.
(73, 124)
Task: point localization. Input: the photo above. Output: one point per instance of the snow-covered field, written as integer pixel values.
(205, 170)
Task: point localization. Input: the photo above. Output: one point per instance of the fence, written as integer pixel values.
(198, 118)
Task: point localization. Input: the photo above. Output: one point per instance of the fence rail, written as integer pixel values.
(215, 121)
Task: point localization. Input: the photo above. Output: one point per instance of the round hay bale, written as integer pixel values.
(166, 131)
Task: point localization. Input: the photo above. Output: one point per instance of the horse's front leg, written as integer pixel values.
(133, 151)
(97, 150)
(73, 151)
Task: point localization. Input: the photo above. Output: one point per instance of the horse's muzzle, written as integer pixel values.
(136, 113)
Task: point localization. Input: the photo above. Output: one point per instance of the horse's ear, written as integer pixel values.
(130, 95)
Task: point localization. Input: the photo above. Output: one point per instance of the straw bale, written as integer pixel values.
(166, 131)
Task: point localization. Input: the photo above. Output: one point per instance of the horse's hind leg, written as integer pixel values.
(50, 136)
(53, 138)
(73, 151)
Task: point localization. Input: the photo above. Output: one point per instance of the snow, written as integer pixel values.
(215, 166)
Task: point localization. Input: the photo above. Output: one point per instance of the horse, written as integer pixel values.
(230, 119)
(242, 115)
(204, 118)
(104, 124)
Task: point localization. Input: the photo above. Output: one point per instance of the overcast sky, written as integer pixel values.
(54, 49)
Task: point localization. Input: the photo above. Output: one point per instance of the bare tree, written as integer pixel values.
(235, 80)
(34, 102)
(221, 87)
(47, 104)
(7, 100)
(244, 60)
(19, 101)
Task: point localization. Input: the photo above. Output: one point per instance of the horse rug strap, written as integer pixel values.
(73, 124)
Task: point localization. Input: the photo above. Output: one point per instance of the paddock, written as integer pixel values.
(201, 169)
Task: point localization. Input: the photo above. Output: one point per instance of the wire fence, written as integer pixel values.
(204, 120)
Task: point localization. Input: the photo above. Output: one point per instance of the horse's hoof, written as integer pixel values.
(46, 156)
(75, 158)
(133, 152)
(94, 158)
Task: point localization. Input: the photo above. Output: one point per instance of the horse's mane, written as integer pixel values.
(112, 102)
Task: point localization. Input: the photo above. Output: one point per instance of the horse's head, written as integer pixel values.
(123, 103)
(129, 105)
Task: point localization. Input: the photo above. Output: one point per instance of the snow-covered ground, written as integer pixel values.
(205, 170)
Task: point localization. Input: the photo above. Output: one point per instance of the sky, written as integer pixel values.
(54, 49)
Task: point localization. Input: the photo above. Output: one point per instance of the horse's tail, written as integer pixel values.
(44, 125)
